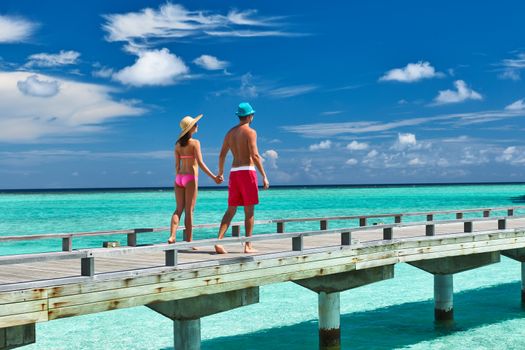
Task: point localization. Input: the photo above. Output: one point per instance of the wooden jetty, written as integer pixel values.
(186, 285)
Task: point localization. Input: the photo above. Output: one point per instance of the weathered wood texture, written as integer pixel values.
(42, 290)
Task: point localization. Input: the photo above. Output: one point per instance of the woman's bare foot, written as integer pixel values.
(171, 240)
(220, 249)
(194, 248)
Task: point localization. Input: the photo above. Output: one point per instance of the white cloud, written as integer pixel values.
(518, 105)
(507, 154)
(253, 86)
(517, 63)
(512, 67)
(351, 161)
(412, 72)
(248, 88)
(15, 29)
(290, 91)
(271, 157)
(41, 156)
(103, 72)
(510, 74)
(317, 130)
(173, 21)
(357, 146)
(210, 62)
(32, 86)
(415, 161)
(327, 144)
(154, 67)
(373, 153)
(406, 139)
(79, 108)
(331, 112)
(53, 60)
(462, 93)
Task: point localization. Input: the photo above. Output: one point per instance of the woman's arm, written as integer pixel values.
(201, 163)
(177, 160)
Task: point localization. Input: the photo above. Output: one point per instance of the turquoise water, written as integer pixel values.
(393, 314)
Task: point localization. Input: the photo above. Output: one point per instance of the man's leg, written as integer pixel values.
(225, 223)
(248, 227)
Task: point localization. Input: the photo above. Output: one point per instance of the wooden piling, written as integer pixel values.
(329, 321)
(187, 334)
(443, 297)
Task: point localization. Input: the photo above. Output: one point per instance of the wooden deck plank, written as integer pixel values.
(51, 269)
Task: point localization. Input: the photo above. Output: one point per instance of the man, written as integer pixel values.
(241, 140)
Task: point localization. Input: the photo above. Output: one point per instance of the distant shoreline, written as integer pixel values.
(223, 188)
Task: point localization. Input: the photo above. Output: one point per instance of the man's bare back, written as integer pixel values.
(238, 140)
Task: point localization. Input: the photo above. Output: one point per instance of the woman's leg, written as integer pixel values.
(175, 218)
(189, 205)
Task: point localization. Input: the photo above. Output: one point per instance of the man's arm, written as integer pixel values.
(254, 154)
(222, 156)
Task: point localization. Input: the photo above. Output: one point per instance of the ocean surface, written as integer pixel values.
(393, 314)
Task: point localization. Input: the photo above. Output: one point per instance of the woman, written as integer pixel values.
(188, 159)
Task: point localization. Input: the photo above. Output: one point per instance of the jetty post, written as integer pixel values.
(443, 296)
(186, 313)
(328, 288)
(443, 270)
(518, 255)
(17, 336)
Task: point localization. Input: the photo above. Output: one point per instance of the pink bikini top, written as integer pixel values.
(186, 157)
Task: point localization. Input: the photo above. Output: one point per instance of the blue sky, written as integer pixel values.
(91, 92)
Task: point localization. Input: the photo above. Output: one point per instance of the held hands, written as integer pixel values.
(218, 179)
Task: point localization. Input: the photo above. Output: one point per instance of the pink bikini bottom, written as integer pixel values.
(182, 180)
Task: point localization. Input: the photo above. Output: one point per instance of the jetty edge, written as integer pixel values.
(166, 277)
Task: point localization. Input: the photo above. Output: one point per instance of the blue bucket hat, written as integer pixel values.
(244, 109)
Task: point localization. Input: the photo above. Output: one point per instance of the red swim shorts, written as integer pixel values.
(242, 188)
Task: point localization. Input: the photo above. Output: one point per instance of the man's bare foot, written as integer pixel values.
(220, 249)
(249, 249)
(194, 248)
(171, 240)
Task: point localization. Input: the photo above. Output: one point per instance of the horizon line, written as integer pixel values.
(224, 188)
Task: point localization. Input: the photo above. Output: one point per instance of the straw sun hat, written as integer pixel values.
(187, 123)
